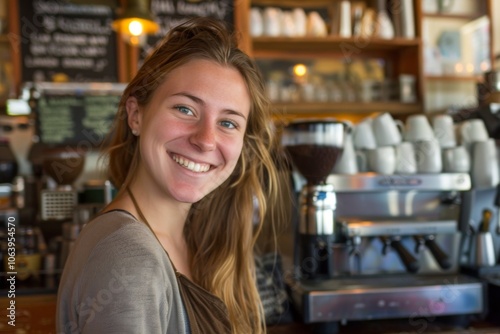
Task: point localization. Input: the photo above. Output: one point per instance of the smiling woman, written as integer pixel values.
(192, 147)
(192, 121)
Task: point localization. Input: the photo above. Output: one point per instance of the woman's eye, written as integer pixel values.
(184, 110)
(228, 124)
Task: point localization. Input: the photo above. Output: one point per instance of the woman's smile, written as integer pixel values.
(191, 165)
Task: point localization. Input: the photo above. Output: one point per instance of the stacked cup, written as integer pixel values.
(483, 151)
(456, 158)
(387, 146)
(376, 140)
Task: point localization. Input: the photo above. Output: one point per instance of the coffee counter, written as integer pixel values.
(36, 312)
(403, 326)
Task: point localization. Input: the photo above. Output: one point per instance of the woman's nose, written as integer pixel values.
(204, 137)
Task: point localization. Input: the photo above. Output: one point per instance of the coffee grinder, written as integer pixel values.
(314, 147)
(63, 166)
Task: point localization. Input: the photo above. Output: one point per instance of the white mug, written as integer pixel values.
(444, 130)
(472, 131)
(347, 162)
(387, 131)
(406, 161)
(456, 160)
(428, 153)
(316, 26)
(363, 136)
(256, 22)
(288, 24)
(362, 161)
(382, 160)
(484, 169)
(418, 128)
(300, 18)
(272, 21)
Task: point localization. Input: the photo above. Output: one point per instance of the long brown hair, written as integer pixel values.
(220, 232)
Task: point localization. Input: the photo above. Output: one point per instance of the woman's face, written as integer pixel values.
(191, 132)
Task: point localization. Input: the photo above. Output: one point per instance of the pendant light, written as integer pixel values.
(135, 21)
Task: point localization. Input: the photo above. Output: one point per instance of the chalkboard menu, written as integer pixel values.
(81, 118)
(73, 42)
(170, 13)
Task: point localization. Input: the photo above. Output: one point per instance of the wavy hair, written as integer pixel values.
(220, 231)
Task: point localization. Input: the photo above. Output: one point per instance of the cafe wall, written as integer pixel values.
(20, 135)
(451, 39)
(496, 30)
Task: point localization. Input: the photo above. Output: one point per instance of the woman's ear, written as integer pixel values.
(133, 115)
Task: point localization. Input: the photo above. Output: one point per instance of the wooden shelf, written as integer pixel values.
(473, 78)
(267, 46)
(304, 108)
(293, 3)
(452, 16)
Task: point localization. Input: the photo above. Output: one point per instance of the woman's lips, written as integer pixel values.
(191, 165)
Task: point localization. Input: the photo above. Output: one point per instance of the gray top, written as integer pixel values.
(119, 279)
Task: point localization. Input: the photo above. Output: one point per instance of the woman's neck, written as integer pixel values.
(164, 216)
(164, 219)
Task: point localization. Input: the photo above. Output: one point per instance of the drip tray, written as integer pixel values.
(387, 297)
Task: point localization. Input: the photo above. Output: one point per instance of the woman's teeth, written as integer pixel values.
(193, 166)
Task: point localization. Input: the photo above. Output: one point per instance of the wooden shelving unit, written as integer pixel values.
(445, 90)
(405, 55)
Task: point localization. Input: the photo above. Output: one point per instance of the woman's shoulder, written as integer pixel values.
(118, 276)
(119, 233)
(113, 227)
(114, 242)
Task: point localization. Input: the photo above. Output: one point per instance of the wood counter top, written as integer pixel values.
(400, 326)
(38, 313)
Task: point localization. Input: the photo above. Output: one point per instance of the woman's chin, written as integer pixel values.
(191, 197)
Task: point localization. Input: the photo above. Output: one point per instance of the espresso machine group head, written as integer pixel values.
(314, 147)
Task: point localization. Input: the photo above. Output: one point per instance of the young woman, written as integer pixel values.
(190, 149)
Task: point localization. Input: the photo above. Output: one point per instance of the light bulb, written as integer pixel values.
(300, 70)
(135, 28)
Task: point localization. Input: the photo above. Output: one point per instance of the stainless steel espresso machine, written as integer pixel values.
(372, 246)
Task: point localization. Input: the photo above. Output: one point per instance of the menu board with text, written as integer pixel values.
(83, 120)
(61, 41)
(170, 13)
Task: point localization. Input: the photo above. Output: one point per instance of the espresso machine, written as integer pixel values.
(372, 246)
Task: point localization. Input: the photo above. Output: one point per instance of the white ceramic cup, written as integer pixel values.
(272, 21)
(484, 168)
(382, 160)
(315, 25)
(362, 161)
(444, 130)
(256, 22)
(418, 128)
(363, 136)
(347, 163)
(300, 18)
(428, 154)
(456, 159)
(472, 131)
(288, 28)
(387, 130)
(406, 161)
